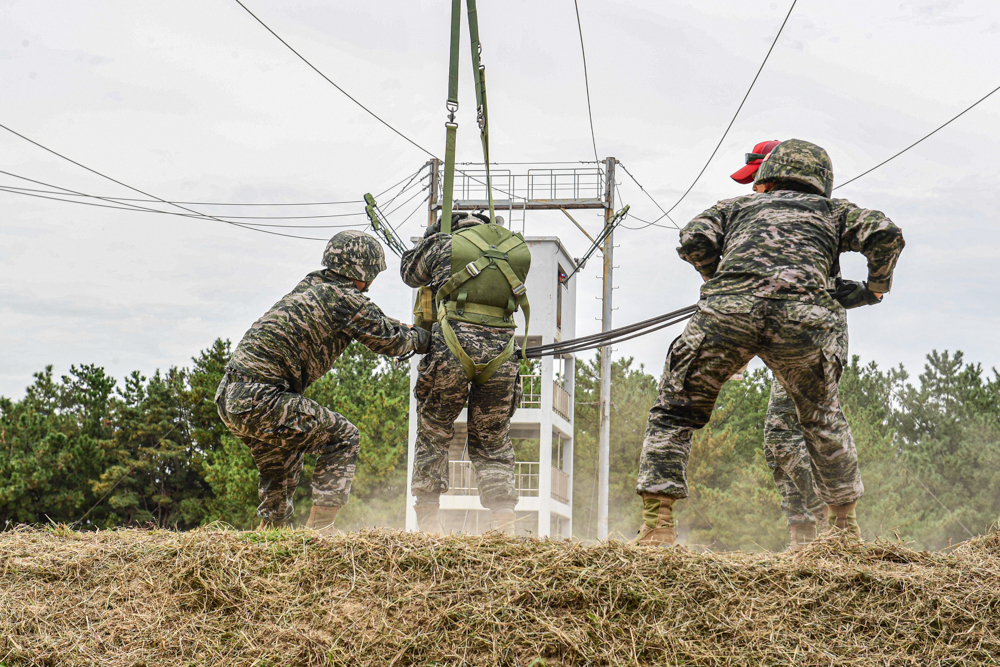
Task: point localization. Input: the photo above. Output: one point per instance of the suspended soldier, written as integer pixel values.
(476, 276)
(784, 445)
(294, 344)
(767, 259)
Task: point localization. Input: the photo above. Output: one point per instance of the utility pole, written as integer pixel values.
(434, 165)
(604, 446)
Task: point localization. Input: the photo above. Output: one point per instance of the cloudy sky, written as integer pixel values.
(195, 101)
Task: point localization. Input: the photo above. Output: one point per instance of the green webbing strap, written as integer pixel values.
(479, 74)
(451, 127)
(516, 286)
(457, 279)
(476, 373)
(456, 29)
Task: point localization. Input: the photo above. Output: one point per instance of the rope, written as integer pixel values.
(613, 336)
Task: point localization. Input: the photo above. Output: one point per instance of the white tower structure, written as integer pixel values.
(542, 427)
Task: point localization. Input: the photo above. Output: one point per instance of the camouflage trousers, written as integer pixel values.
(785, 447)
(280, 428)
(442, 390)
(801, 344)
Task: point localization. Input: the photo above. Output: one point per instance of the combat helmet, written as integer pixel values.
(799, 162)
(354, 255)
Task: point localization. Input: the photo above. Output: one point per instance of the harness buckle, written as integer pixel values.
(472, 269)
(519, 290)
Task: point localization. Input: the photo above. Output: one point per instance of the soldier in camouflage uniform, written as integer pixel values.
(294, 344)
(784, 445)
(443, 389)
(767, 258)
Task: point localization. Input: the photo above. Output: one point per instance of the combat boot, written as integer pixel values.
(429, 518)
(321, 520)
(658, 521)
(845, 517)
(268, 524)
(821, 520)
(802, 534)
(503, 520)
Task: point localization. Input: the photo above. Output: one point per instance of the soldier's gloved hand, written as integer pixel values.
(852, 294)
(423, 340)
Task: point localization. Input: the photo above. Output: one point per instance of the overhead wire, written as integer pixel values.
(175, 213)
(645, 192)
(330, 81)
(137, 209)
(586, 82)
(921, 139)
(419, 206)
(17, 190)
(740, 108)
(125, 185)
(613, 336)
(369, 111)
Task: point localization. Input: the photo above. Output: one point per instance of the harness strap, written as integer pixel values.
(471, 270)
(477, 374)
(451, 127)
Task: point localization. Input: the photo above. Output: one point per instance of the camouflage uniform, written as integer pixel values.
(295, 343)
(785, 447)
(442, 390)
(768, 258)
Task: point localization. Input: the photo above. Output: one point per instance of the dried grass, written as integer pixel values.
(222, 597)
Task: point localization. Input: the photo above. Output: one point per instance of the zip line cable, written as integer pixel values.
(65, 192)
(740, 108)
(330, 81)
(613, 336)
(665, 213)
(370, 112)
(17, 190)
(397, 227)
(183, 208)
(926, 136)
(134, 208)
(175, 213)
(586, 82)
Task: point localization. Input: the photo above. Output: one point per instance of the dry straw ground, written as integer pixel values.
(220, 597)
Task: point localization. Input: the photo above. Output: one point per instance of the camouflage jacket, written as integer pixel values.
(298, 340)
(429, 262)
(786, 245)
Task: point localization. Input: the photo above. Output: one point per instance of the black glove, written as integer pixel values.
(851, 294)
(423, 341)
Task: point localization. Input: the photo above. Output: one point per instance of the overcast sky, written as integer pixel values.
(195, 101)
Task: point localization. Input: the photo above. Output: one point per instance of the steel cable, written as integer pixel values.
(613, 336)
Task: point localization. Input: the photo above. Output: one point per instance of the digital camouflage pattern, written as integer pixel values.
(783, 245)
(800, 162)
(443, 389)
(355, 255)
(297, 341)
(294, 344)
(768, 259)
(785, 448)
(280, 428)
(788, 459)
(801, 344)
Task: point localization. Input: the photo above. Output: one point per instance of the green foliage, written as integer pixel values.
(928, 452)
(154, 451)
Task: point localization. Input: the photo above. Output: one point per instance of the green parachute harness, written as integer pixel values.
(488, 263)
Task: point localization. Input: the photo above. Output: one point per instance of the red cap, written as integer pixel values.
(747, 173)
